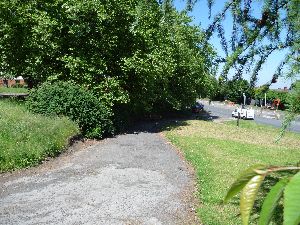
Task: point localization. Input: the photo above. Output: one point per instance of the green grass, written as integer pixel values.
(27, 139)
(13, 90)
(220, 151)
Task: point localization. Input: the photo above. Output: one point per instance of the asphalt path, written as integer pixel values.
(134, 178)
(223, 111)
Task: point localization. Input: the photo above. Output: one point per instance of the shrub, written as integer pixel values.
(71, 100)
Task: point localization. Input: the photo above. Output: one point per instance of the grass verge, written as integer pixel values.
(13, 90)
(27, 139)
(220, 151)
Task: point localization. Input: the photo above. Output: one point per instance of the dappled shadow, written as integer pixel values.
(156, 124)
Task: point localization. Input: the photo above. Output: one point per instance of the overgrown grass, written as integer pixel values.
(220, 151)
(27, 139)
(13, 90)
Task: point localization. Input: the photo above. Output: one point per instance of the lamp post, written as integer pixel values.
(265, 100)
(244, 98)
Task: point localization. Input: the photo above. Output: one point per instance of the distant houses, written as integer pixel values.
(18, 81)
(285, 89)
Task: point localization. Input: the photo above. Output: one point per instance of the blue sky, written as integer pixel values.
(200, 17)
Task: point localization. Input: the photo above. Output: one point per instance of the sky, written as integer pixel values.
(200, 18)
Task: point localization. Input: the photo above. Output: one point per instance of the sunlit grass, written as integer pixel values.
(13, 90)
(27, 139)
(220, 151)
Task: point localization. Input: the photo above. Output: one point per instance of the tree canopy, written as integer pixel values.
(132, 51)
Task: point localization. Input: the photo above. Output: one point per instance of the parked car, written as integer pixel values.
(197, 107)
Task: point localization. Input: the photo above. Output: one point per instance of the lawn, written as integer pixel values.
(13, 90)
(220, 151)
(27, 139)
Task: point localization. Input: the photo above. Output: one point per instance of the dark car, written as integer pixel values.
(197, 107)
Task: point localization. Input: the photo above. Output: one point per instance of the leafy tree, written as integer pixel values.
(272, 95)
(171, 69)
(235, 89)
(294, 98)
(121, 50)
(293, 102)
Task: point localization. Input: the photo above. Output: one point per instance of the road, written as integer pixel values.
(268, 118)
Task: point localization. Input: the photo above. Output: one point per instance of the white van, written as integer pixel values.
(247, 114)
(244, 113)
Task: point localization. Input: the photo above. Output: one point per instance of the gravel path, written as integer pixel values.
(135, 178)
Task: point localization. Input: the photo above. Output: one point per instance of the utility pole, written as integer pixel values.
(265, 100)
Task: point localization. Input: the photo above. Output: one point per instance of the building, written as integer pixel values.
(12, 82)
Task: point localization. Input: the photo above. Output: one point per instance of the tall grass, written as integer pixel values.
(27, 139)
(220, 151)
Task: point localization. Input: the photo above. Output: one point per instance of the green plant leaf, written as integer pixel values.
(271, 201)
(291, 212)
(242, 180)
(248, 196)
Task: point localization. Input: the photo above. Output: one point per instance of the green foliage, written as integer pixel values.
(271, 201)
(292, 201)
(233, 90)
(26, 139)
(293, 103)
(243, 179)
(80, 105)
(294, 98)
(123, 50)
(291, 189)
(171, 64)
(271, 95)
(248, 196)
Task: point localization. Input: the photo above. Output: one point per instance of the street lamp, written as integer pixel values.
(244, 98)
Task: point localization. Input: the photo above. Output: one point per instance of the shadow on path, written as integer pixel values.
(171, 120)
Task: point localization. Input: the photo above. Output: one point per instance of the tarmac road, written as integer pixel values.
(267, 117)
(135, 178)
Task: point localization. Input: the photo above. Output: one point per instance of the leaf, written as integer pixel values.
(248, 196)
(291, 214)
(242, 180)
(271, 201)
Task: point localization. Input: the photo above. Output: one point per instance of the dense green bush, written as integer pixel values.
(293, 99)
(80, 105)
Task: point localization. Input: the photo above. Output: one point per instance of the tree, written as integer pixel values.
(235, 89)
(173, 62)
(122, 50)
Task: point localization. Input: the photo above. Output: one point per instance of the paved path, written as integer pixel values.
(134, 178)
